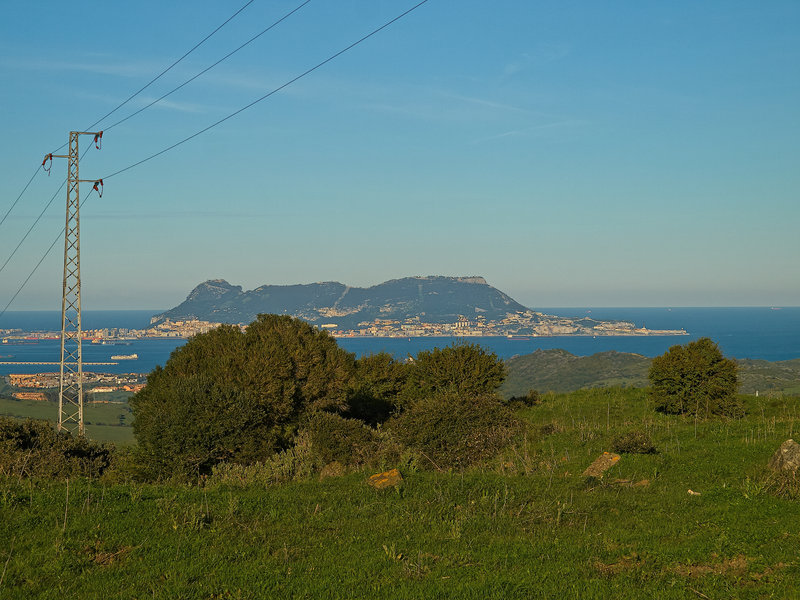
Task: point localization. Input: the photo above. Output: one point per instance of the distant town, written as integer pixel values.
(99, 387)
(102, 387)
(521, 324)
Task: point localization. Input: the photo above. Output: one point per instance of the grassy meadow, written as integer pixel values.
(526, 524)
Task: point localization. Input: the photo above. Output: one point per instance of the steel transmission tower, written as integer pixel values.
(70, 389)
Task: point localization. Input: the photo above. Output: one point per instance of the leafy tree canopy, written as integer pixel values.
(236, 396)
(695, 379)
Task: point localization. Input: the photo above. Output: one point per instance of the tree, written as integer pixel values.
(695, 379)
(236, 396)
(461, 369)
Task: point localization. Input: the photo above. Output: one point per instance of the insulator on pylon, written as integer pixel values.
(45, 166)
(98, 187)
(98, 140)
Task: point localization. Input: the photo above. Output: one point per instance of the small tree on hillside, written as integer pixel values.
(695, 379)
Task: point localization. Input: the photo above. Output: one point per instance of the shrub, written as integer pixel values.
(293, 464)
(379, 380)
(695, 379)
(532, 398)
(633, 442)
(347, 441)
(33, 448)
(229, 396)
(465, 369)
(455, 431)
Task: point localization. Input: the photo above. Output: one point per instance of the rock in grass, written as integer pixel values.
(386, 479)
(601, 464)
(786, 458)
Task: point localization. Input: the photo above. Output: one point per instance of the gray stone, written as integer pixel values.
(786, 458)
(601, 464)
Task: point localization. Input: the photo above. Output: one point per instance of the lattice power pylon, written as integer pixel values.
(70, 390)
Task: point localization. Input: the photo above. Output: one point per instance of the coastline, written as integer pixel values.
(745, 333)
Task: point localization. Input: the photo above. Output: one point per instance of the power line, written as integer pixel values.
(131, 97)
(8, 212)
(267, 95)
(39, 218)
(231, 115)
(188, 81)
(165, 71)
(41, 260)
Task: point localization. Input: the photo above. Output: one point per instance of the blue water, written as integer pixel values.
(50, 320)
(763, 333)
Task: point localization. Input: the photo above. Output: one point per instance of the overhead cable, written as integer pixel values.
(267, 95)
(152, 81)
(8, 212)
(165, 71)
(39, 218)
(39, 264)
(231, 115)
(188, 81)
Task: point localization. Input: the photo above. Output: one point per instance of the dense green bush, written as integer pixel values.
(33, 448)
(378, 382)
(633, 442)
(238, 397)
(465, 369)
(347, 441)
(293, 464)
(696, 380)
(452, 430)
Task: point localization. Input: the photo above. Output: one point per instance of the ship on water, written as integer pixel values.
(124, 357)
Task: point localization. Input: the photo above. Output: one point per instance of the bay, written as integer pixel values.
(741, 332)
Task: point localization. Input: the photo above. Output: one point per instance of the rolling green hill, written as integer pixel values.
(560, 371)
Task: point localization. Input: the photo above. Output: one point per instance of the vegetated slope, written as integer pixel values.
(435, 299)
(765, 376)
(527, 524)
(561, 371)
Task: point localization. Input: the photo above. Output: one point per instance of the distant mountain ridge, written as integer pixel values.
(434, 299)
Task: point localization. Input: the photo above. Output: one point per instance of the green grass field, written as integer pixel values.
(525, 525)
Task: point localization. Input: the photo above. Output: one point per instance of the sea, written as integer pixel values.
(768, 333)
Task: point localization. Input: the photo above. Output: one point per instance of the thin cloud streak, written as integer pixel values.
(528, 131)
(486, 103)
(119, 69)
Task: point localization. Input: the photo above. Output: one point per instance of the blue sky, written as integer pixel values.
(573, 153)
